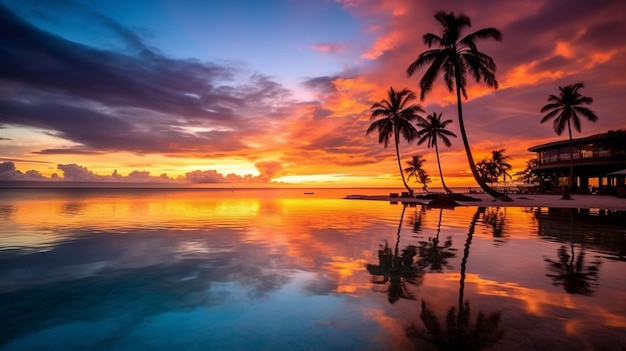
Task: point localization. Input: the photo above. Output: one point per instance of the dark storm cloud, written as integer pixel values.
(141, 102)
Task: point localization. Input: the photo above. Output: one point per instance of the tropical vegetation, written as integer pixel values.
(416, 170)
(454, 58)
(490, 169)
(393, 116)
(527, 175)
(430, 130)
(565, 110)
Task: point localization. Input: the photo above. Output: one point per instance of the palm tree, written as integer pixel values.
(424, 179)
(455, 58)
(499, 163)
(565, 110)
(527, 175)
(393, 116)
(416, 170)
(432, 129)
(487, 171)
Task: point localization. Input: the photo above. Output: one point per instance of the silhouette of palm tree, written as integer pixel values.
(487, 171)
(458, 333)
(500, 163)
(434, 128)
(527, 175)
(455, 57)
(393, 116)
(571, 272)
(396, 269)
(565, 110)
(432, 255)
(416, 169)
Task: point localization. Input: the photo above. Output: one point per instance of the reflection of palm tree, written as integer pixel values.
(396, 269)
(495, 219)
(434, 256)
(417, 218)
(458, 334)
(393, 116)
(571, 273)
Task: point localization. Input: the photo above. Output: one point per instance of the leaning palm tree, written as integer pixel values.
(565, 110)
(417, 171)
(500, 163)
(433, 128)
(393, 116)
(454, 58)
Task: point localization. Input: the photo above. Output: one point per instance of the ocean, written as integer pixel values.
(303, 269)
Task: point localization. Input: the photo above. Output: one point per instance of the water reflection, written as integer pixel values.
(495, 218)
(458, 333)
(222, 270)
(433, 256)
(591, 229)
(395, 270)
(570, 271)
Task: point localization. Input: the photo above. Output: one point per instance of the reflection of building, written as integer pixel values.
(594, 158)
(581, 226)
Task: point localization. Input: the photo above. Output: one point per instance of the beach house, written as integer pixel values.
(599, 163)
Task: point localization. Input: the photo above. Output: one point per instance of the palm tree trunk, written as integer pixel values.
(440, 172)
(468, 151)
(570, 178)
(395, 135)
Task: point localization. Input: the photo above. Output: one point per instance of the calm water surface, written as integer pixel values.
(283, 270)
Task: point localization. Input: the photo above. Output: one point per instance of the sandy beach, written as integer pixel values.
(606, 202)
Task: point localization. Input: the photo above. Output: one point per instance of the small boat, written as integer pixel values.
(309, 193)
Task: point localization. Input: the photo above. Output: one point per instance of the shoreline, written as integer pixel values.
(603, 202)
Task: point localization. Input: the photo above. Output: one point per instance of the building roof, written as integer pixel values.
(554, 144)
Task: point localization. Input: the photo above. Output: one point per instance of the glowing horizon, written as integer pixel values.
(152, 92)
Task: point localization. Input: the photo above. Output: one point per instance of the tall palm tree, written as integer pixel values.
(431, 129)
(455, 58)
(393, 116)
(416, 170)
(500, 163)
(565, 110)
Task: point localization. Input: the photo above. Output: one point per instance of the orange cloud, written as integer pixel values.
(332, 48)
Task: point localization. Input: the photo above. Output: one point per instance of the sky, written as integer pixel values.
(276, 93)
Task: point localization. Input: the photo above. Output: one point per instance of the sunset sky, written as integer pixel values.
(249, 93)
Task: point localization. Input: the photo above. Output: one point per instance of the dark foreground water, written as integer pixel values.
(284, 270)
